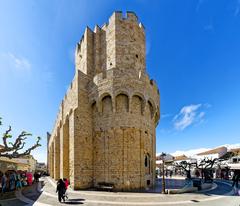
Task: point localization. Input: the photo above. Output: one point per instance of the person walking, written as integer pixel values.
(66, 182)
(12, 181)
(236, 178)
(61, 189)
(4, 183)
(18, 183)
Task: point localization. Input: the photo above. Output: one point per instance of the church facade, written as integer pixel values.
(105, 130)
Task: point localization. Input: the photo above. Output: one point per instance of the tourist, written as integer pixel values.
(12, 179)
(222, 174)
(18, 183)
(36, 177)
(7, 182)
(29, 178)
(61, 188)
(236, 178)
(24, 180)
(4, 182)
(197, 173)
(66, 187)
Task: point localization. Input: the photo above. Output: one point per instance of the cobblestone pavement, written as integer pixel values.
(46, 196)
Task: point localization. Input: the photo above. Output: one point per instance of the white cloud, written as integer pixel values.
(15, 62)
(231, 146)
(20, 63)
(40, 155)
(189, 153)
(193, 152)
(189, 115)
(165, 116)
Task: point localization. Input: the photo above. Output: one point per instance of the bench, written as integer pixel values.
(106, 186)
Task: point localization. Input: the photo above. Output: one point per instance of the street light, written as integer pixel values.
(163, 177)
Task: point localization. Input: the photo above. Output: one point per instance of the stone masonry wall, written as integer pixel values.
(105, 127)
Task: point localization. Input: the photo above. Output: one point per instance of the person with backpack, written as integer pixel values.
(61, 189)
(65, 180)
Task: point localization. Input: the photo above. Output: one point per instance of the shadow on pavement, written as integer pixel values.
(33, 192)
(74, 201)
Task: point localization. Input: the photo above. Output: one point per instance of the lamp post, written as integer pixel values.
(163, 175)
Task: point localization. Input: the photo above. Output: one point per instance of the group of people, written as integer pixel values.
(62, 186)
(236, 178)
(13, 180)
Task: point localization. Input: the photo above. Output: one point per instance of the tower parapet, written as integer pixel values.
(118, 44)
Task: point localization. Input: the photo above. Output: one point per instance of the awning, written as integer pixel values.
(234, 166)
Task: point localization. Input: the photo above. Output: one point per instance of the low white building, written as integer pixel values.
(167, 158)
(234, 163)
(212, 154)
(180, 158)
(41, 167)
(29, 161)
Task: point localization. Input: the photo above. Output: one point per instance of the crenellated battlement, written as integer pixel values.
(99, 49)
(128, 16)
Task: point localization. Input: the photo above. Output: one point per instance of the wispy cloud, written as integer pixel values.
(199, 3)
(20, 63)
(163, 116)
(188, 115)
(209, 27)
(193, 152)
(237, 9)
(9, 61)
(48, 76)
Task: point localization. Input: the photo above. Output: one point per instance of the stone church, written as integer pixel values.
(105, 128)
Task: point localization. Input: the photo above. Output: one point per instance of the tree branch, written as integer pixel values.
(13, 150)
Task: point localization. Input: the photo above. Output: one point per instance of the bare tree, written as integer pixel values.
(186, 166)
(16, 149)
(206, 165)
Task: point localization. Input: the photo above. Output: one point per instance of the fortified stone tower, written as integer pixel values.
(105, 128)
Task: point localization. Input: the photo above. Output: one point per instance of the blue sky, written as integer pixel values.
(193, 49)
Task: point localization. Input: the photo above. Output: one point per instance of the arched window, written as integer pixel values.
(107, 104)
(150, 108)
(137, 104)
(122, 103)
(147, 162)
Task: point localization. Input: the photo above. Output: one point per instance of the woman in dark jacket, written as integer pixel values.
(61, 189)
